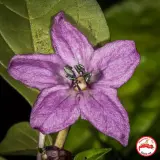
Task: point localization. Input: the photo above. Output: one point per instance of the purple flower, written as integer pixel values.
(78, 81)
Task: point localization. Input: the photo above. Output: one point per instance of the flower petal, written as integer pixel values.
(56, 108)
(69, 42)
(116, 62)
(105, 112)
(37, 70)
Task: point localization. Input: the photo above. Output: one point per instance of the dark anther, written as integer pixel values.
(69, 72)
(79, 68)
(87, 76)
(54, 153)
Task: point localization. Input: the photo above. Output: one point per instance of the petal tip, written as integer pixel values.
(44, 130)
(132, 45)
(38, 127)
(59, 16)
(123, 139)
(138, 58)
(125, 144)
(10, 68)
(129, 43)
(132, 42)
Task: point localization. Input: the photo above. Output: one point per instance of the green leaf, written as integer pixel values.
(21, 139)
(25, 26)
(81, 137)
(92, 154)
(1, 158)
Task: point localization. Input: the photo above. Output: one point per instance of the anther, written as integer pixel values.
(80, 84)
(69, 72)
(79, 68)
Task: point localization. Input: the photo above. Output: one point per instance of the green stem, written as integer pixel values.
(61, 138)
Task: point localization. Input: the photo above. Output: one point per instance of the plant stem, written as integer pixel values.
(61, 138)
(41, 140)
(40, 144)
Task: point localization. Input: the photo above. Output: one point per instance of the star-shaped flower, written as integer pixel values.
(78, 81)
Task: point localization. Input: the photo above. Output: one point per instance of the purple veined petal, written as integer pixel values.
(56, 108)
(103, 109)
(116, 62)
(69, 42)
(37, 70)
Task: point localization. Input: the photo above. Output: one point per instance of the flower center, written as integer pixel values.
(80, 84)
(81, 81)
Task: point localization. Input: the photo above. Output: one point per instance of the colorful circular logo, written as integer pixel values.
(146, 146)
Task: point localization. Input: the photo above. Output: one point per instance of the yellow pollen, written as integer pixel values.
(81, 83)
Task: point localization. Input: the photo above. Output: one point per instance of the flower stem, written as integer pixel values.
(40, 144)
(41, 140)
(61, 138)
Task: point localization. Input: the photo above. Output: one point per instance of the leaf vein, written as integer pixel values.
(12, 10)
(9, 45)
(23, 143)
(28, 136)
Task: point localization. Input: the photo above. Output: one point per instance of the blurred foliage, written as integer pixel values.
(139, 20)
(92, 154)
(80, 133)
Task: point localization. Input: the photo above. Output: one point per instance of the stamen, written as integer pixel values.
(87, 76)
(69, 72)
(79, 68)
(80, 82)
